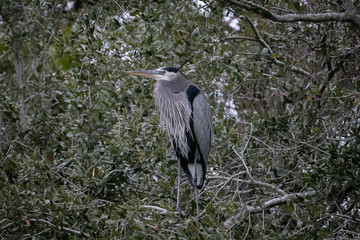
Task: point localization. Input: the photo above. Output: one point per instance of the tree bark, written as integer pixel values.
(351, 13)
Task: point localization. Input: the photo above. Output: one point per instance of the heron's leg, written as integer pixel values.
(196, 192)
(178, 189)
(197, 204)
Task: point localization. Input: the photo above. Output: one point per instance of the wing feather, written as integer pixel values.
(202, 125)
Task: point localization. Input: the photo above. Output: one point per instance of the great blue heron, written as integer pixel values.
(186, 114)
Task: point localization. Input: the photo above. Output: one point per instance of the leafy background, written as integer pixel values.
(82, 154)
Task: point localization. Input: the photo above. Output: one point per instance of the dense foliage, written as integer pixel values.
(81, 151)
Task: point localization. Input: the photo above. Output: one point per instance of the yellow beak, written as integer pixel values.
(148, 73)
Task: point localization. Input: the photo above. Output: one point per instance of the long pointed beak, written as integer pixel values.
(148, 73)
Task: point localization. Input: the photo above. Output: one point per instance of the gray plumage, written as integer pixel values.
(186, 115)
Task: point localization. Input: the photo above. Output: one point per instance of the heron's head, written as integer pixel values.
(164, 73)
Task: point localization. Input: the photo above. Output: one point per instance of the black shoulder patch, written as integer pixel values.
(192, 92)
(171, 69)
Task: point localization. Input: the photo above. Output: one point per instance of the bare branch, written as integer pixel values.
(161, 210)
(227, 181)
(243, 161)
(317, 17)
(253, 182)
(280, 200)
(258, 36)
(7, 225)
(70, 230)
(92, 166)
(19, 75)
(274, 60)
(268, 204)
(239, 38)
(4, 54)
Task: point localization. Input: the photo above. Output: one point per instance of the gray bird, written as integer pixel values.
(186, 115)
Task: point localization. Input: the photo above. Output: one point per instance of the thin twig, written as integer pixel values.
(253, 182)
(161, 210)
(258, 36)
(92, 166)
(274, 60)
(227, 181)
(242, 159)
(70, 230)
(4, 54)
(239, 38)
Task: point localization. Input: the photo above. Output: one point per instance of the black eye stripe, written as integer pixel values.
(170, 69)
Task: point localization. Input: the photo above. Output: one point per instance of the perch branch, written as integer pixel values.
(350, 14)
(268, 204)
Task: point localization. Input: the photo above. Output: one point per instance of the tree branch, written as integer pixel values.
(253, 182)
(70, 230)
(274, 60)
(268, 204)
(239, 38)
(350, 14)
(161, 210)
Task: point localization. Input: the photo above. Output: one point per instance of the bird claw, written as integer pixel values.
(180, 213)
(200, 220)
